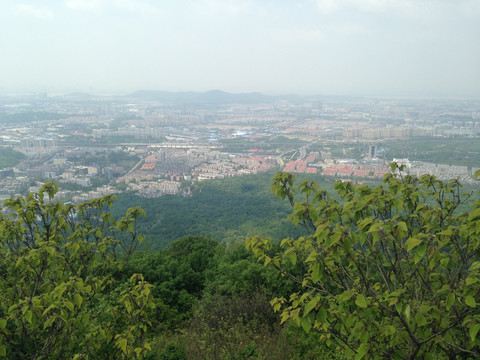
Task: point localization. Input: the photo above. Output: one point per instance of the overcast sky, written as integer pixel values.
(330, 47)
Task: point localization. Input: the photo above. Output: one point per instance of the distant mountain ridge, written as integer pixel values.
(80, 95)
(211, 97)
(214, 97)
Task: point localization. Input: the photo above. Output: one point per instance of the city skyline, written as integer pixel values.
(344, 47)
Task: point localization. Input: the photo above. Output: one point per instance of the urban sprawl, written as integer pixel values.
(93, 146)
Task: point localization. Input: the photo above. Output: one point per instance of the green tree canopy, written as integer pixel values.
(390, 272)
(59, 296)
(178, 275)
(9, 157)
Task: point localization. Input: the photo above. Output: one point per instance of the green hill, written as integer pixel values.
(225, 210)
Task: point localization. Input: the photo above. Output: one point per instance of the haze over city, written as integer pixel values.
(367, 47)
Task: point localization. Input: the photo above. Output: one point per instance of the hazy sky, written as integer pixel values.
(331, 47)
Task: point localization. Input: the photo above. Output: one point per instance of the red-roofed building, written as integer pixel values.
(150, 159)
(148, 166)
(329, 172)
(346, 171)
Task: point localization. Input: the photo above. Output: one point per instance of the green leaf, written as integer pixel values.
(361, 301)
(306, 324)
(49, 322)
(390, 330)
(450, 301)
(268, 260)
(322, 314)
(470, 301)
(411, 243)
(346, 295)
(75, 248)
(122, 344)
(471, 280)
(361, 352)
(311, 257)
(364, 223)
(316, 272)
(477, 174)
(475, 266)
(375, 228)
(473, 331)
(420, 251)
(293, 257)
(309, 307)
(447, 232)
(474, 215)
(77, 298)
(420, 320)
(3, 350)
(50, 250)
(69, 305)
(276, 305)
(407, 312)
(28, 316)
(128, 306)
(402, 227)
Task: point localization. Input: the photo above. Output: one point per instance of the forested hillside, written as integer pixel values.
(9, 157)
(226, 210)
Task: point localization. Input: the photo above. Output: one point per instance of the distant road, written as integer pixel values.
(302, 150)
(135, 166)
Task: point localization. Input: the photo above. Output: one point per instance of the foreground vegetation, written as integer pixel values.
(390, 271)
(59, 293)
(73, 287)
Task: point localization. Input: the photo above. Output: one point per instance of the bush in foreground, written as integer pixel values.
(59, 297)
(389, 272)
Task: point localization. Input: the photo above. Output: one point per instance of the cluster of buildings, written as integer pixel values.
(365, 132)
(375, 168)
(165, 168)
(441, 171)
(342, 169)
(93, 194)
(150, 189)
(236, 166)
(307, 165)
(348, 170)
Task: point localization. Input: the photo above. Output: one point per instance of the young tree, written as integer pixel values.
(58, 294)
(391, 272)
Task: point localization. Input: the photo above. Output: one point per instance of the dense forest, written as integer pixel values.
(227, 211)
(9, 157)
(29, 116)
(455, 151)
